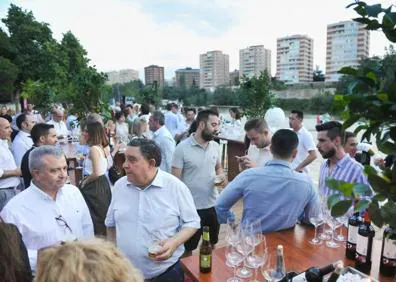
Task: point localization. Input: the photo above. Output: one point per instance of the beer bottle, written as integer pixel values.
(205, 252)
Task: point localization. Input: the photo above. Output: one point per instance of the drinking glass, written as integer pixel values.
(232, 233)
(270, 271)
(245, 247)
(233, 258)
(316, 221)
(254, 239)
(154, 245)
(326, 233)
(333, 223)
(259, 256)
(343, 220)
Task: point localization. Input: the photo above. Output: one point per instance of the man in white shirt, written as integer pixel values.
(171, 120)
(162, 214)
(259, 153)
(185, 126)
(306, 150)
(9, 172)
(163, 139)
(22, 142)
(59, 124)
(36, 116)
(49, 211)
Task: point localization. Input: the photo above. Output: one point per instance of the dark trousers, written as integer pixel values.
(174, 273)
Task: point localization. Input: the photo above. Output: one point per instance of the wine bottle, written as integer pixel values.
(364, 245)
(388, 253)
(337, 272)
(315, 274)
(205, 252)
(353, 224)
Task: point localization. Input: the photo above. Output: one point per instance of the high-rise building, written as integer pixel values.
(214, 70)
(187, 77)
(294, 59)
(347, 44)
(253, 60)
(122, 76)
(154, 74)
(234, 78)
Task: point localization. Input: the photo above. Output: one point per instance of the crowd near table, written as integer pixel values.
(299, 255)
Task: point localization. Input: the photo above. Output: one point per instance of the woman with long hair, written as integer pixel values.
(235, 116)
(95, 187)
(14, 261)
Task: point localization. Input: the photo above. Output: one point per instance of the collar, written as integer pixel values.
(194, 141)
(42, 194)
(342, 162)
(266, 148)
(159, 131)
(24, 134)
(278, 162)
(4, 142)
(158, 181)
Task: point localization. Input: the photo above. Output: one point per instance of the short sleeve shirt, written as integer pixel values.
(198, 166)
(305, 144)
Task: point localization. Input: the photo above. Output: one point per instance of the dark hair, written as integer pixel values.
(175, 105)
(190, 109)
(148, 148)
(258, 124)
(145, 109)
(20, 119)
(169, 106)
(14, 263)
(236, 112)
(215, 109)
(283, 143)
(159, 117)
(96, 135)
(204, 116)
(333, 128)
(7, 117)
(347, 135)
(40, 129)
(298, 113)
(118, 115)
(193, 127)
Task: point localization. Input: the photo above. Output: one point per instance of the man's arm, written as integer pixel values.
(169, 148)
(309, 159)
(111, 234)
(10, 173)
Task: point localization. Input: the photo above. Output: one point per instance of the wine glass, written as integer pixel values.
(232, 233)
(333, 223)
(254, 239)
(326, 233)
(245, 247)
(270, 270)
(259, 256)
(234, 258)
(342, 220)
(316, 221)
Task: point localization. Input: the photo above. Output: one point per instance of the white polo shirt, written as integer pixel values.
(164, 208)
(7, 162)
(305, 144)
(260, 155)
(21, 144)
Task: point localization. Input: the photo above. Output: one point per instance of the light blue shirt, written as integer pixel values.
(275, 194)
(164, 207)
(171, 122)
(167, 144)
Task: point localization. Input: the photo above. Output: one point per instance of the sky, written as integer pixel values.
(121, 34)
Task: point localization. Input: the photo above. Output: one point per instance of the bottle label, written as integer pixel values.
(389, 249)
(361, 245)
(352, 234)
(299, 278)
(205, 261)
(205, 236)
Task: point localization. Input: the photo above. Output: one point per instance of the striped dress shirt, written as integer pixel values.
(347, 169)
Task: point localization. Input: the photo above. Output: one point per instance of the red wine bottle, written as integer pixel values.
(353, 224)
(388, 253)
(364, 245)
(315, 274)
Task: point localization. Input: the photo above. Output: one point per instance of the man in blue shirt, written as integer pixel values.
(275, 194)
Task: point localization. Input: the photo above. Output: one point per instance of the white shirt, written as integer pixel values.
(122, 131)
(171, 122)
(60, 128)
(163, 208)
(305, 144)
(34, 213)
(260, 155)
(71, 120)
(7, 162)
(163, 138)
(20, 145)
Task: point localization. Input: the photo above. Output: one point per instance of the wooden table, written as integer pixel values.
(299, 255)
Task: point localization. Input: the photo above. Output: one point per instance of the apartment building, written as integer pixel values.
(253, 60)
(214, 70)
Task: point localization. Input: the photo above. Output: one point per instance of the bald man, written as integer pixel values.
(9, 172)
(59, 124)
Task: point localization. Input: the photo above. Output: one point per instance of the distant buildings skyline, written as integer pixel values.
(187, 77)
(253, 60)
(154, 74)
(214, 69)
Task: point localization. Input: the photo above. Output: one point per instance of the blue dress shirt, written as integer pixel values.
(275, 194)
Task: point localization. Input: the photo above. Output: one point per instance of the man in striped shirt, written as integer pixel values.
(338, 165)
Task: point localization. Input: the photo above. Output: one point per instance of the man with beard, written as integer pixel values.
(196, 162)
(338, 165)
(259, 154)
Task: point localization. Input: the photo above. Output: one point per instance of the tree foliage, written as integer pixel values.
(370, 99)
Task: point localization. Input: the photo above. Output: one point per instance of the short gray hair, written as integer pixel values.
(159, 117)
(37, 154)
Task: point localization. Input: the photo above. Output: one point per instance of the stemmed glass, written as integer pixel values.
(245, 247)
(326, 233)
(234, 258)
(343, 220)
(333, 223)
(270, 270)
(232, 234)
(259, 255)
(316, 221)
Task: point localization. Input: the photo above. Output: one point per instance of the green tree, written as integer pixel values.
(8, 76)
(318, 75)
(255, 96)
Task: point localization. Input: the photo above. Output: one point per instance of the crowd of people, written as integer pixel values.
(48, 225)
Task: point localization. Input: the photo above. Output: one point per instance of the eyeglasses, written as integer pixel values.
(63, 223)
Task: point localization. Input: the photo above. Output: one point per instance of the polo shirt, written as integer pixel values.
(198, 166)
(260, 155)
(305, 144)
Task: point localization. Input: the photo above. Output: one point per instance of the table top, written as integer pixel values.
(299, 255)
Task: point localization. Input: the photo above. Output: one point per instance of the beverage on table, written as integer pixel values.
(205, 252)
